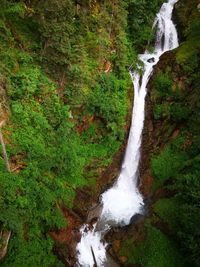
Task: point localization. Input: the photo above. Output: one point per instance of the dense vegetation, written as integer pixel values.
(64, 96)
(172, 235)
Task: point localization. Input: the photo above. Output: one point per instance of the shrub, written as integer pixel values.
(163, 84)
(156, 250)
(167, 164)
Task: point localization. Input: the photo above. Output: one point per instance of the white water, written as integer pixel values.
(123, 200)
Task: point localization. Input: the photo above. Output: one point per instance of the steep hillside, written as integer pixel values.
(65, 93)
(170, 235)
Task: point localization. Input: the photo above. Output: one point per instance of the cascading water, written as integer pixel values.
(123, 200)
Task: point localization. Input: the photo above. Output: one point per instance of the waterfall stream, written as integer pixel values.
(122, 201)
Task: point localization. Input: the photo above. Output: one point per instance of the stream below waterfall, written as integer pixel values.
(123, 200)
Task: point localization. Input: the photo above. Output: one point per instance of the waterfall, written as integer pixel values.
(122, 201)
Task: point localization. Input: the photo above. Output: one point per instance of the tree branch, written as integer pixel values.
(5, 156)
(93, 255)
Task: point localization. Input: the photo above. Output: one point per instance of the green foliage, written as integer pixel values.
(156, 250)
(157, 111)
(140, 21)
(176, 112)
(86, 47)
(34, 253)
(189, 19)
(179, 112)
(9, 9)
(162, 111)
(188, 217)
(170, 100)
(108, 102)
(44, 150)
(167, 210)
(180, 158)
(163, 84)
(79, 39)
(43, 141)
(168, 163)
(52, 159)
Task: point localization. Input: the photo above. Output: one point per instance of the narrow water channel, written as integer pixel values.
(123, 200)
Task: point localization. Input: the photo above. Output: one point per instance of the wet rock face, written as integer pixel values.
(94, 214)
(151, 60)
